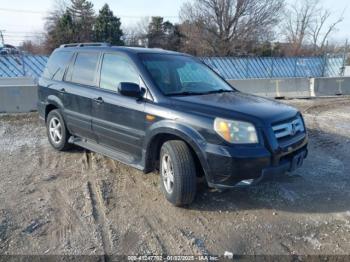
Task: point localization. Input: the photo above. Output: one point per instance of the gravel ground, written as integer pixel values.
(83, 203)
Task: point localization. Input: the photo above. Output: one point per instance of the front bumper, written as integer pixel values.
(246, 165)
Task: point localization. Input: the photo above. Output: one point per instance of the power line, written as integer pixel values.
(10, 33)
(21, 11)
(43, 12)
(22, 34)
(21, 37)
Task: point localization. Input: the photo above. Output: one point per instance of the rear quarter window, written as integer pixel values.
(57, 64)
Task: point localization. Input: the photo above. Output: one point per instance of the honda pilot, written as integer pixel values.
(160, 110)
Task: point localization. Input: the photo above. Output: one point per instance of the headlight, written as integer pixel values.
(236, 132)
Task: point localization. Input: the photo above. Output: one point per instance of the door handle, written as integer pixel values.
(98, 100)
(62, 90)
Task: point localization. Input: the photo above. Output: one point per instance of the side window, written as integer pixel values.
(57, 64)
(84, 68)
(116, 69)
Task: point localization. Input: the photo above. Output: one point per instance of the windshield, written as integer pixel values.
(181, 75)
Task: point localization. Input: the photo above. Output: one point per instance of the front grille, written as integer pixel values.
(289, 129)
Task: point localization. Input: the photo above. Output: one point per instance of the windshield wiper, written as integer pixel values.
(186, 93)
(190, 93)
(219, 91)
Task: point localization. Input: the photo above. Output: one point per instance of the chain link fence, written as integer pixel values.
(22, 65)
(228, 67)
(277, 67)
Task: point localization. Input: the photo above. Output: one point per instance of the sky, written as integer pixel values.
(22, 19)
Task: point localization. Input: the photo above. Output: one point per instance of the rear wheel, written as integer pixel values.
(57, 132)
(177, 173)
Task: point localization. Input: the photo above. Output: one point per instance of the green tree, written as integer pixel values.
(83, 14)
(107, 27)
(175, 39)
(156, 33)
(66, 29)
(163, 34)
(61, 32)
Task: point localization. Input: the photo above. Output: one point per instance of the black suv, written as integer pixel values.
(155, 109)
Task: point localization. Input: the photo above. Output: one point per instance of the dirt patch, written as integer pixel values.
(79, 202)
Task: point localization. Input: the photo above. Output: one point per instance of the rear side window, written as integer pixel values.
(116, 69)
(57, 65)
(84, 68)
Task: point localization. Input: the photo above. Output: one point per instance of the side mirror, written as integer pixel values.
(130, 89)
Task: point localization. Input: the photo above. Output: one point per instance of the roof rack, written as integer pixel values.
(85, 44)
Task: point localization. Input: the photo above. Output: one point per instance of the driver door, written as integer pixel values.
(118, 121)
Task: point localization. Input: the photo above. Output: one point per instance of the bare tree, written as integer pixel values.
(52, 20)
(307, 23)
(136, 35)
(298, 22)
(321, 29)
(58, 9)
(226, 25)
(193, 42)
(34, 47)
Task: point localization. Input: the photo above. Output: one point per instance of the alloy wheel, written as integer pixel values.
(168, 173)
(55, 130)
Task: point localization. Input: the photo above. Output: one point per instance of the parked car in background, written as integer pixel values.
(160, 110)
(9, 50)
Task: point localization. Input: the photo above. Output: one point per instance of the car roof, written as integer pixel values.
(124, 49)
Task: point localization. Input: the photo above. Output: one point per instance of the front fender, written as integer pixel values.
(186, 133)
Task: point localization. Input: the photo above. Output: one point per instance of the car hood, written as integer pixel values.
(236, 105)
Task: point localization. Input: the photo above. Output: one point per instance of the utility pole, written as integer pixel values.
(345, 56)
(325, 60)
(2, 43)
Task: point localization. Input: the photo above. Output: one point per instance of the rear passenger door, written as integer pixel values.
(118, 121)
(80, 81)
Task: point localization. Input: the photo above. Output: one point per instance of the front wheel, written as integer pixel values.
(177, 173)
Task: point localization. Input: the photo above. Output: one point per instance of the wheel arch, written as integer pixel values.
(158, 136)
(53, 102)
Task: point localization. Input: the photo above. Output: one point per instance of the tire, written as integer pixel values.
(60, 144)
(182, 190)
